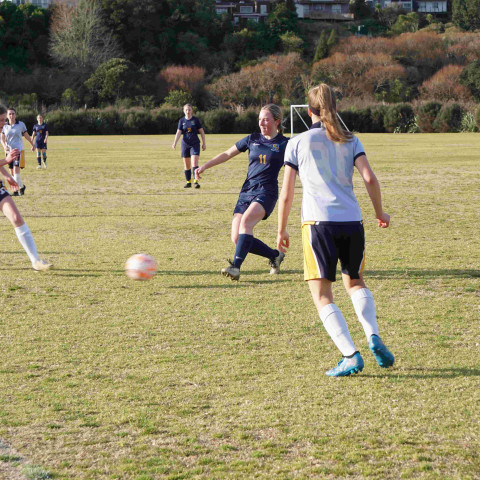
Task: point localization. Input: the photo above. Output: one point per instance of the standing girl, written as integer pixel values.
(332, 226)
(259, 192)
(9, 209)
(12, 139)
(190, 126)
(40, 137)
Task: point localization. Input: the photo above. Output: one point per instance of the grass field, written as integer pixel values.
(191, 376)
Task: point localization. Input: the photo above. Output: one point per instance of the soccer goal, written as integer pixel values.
(294, 110)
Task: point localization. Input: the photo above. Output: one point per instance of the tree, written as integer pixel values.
(321, 51)
(281, 20)
(360, 9)
(470, 78)
(406, 23)
(79, 38)
(466, 14)
(291, 42)
(332, 40)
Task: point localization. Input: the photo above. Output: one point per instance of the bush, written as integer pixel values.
(477, 117)
(399, 118)
(219, 121)
(426, 115)
(449, 119)
(247, 122)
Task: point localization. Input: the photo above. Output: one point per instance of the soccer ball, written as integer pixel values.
(141, 267)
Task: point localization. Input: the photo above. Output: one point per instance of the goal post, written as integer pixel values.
(293, 109)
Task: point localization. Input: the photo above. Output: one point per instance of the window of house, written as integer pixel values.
(336, 9)
(246, 9)
(263, 9)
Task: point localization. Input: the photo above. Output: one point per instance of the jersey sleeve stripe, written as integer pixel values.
(295, 167)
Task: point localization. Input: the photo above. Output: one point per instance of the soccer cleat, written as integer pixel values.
(232, 272)
(15, 194)
(21, 191)
(382, 354)
(197, 185)
(275, 263)
(39, 167)
(187, 185)
(41, 265)
(347, 366)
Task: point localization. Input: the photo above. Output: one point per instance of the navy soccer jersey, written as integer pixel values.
(265, 159)
(189, 129)
(40, 132)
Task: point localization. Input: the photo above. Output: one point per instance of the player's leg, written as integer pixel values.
(195, 160)
(23, 233)
(320, 262)
(18, 178)
(44, 157)
(39, 158)
(187, 171)
(352, 257)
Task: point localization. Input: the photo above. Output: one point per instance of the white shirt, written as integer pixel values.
(14, 135)
(326, 171)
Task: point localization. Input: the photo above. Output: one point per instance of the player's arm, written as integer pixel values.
(29, 139)
(201, 131)
(373, 189)
(220, 158)
(177, 136)
(3, 140)
(284, 206)
(10, 180)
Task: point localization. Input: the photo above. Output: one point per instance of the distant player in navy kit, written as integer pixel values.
(12, 138)
(332, 227)
(10, 210)
(190, 126)
(40, 137)
(259, 192)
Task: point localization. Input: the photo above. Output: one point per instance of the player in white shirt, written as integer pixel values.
(332, 226)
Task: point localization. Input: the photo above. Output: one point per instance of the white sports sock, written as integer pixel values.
(18, 179)
(337, 328)
(364, 306)
(28, 243)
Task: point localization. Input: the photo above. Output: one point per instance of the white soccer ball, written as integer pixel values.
(141, 267)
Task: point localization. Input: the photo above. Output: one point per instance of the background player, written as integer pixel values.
(9, 209)
(332, 226)
(12, 139)
(40, 137)
(259, 192)
(190, 126)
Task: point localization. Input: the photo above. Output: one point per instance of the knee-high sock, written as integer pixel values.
(337, 328)
(25, 237)
(188, 175)
(244, 243)
(364, 306)
(39, 159)
(260, 248)
(18, 179)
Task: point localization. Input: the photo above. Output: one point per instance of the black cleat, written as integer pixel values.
(187, 185)
(197, 185)
(21, 191)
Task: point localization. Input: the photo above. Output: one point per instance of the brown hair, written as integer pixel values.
(322, 99)
(277, 114)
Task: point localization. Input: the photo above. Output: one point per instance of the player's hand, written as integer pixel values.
(198, 171)
(204, 147)
(33, 148)
(283, 241)
(11, 181)
(12, 155)
(174, 146)
(383, 220)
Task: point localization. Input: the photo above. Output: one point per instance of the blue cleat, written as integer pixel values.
(382, 354)
(347, 366)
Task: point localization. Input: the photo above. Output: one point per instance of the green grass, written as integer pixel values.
(191, 376)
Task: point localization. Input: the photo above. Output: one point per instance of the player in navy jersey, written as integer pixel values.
(324, 157)
(190, 126)
(259, 192)
(12, 138)
(10, 210)
(40, 137)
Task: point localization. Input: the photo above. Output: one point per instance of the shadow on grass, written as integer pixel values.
(452, 372)
(415, 273)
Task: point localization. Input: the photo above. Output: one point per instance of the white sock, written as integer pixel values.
(28, 243)
(364, 306)
(337, 328)
(18, 179)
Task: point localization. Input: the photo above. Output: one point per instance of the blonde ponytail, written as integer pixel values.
(321, 100)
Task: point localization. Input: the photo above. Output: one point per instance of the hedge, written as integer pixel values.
(429, 117)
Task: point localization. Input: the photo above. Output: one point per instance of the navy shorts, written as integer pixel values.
(324, 243)
(40, 145)
(189, 150)
(3, 192)
(267, 201)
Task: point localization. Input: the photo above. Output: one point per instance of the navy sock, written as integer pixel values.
(188, 175)
(259, 248)
(44, 158)
(39, 160)
(244, 244)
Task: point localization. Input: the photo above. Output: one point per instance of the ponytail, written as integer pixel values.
(321, 101)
